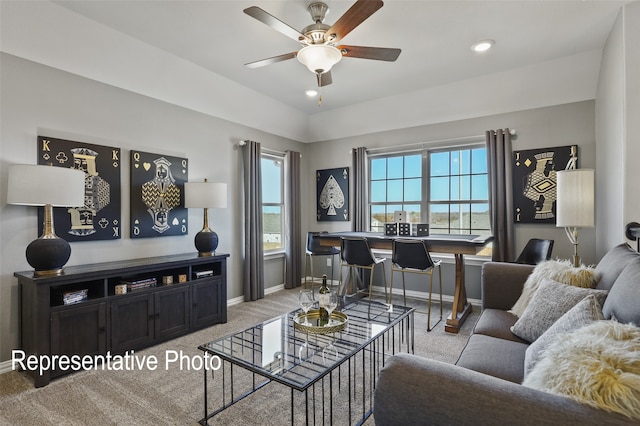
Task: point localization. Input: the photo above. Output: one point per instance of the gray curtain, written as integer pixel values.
(253, 265)
(293, 249)
(360, 210)
(499, 157)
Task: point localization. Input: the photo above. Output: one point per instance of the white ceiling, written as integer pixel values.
(435, 38)
(192, 53)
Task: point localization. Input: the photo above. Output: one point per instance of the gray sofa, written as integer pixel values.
(484, 385)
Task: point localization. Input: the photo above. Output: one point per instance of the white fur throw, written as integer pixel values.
(561, 271)
(597, 365)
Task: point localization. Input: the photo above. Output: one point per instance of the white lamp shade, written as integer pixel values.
(319, 58)
(33, 185)
(205, 195)
(575, 198)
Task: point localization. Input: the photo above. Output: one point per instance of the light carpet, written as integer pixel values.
(175, 396)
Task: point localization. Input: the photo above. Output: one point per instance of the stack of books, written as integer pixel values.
(140, 284)
(71, 297)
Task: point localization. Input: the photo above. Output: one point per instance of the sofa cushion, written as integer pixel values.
(587, 311)
(548, 304)
(561, 271)
(623, 301)
(597, 365)
(497, 323)
(613, 263)
(497, 357)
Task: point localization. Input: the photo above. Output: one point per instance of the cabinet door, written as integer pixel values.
(132, 322)
(172, 312)
(79, 330)
(208, 302)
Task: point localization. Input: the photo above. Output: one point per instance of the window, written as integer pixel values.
(395, 184)
(453, 196)
(272, 203)
(459, 191)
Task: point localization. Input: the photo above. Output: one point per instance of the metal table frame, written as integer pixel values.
(360, 358)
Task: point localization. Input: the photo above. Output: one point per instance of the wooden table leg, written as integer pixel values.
(461, 308)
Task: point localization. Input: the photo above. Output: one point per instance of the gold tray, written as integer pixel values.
(313, 316)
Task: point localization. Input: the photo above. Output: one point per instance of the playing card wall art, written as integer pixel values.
(535, 183)
(100, 217)
(332, 189)
(157, 195)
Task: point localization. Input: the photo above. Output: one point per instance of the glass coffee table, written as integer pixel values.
(329, 375)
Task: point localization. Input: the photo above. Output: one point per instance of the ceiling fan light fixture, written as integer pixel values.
(319, 58)
(311, 93)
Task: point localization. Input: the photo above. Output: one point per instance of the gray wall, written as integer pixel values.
(618, 131)
(38, 100)
(569, 124)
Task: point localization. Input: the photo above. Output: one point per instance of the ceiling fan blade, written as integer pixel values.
(273, 60)
(377, 53)
(324, 79)
(353, 17)
(275, 23)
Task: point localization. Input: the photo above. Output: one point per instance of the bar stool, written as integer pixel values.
(357, 254)
(315, 249)
(413, 256)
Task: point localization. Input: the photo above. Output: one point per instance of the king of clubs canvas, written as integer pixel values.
(535, 182)
(100, 217)
(157, 195)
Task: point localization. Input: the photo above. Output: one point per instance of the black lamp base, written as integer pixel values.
(206, 242)
(47, 255)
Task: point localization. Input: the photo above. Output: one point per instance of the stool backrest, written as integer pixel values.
(356, 251)
(535, 251)
(411, 254)
(314, 247)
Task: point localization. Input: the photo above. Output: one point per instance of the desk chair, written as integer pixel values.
(356, 253)
(413, 256)
(315, 249)
(535, 251)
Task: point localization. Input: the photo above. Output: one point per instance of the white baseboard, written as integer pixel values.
(5, 366)
(268, 290)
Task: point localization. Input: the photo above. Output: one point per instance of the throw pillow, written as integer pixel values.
(548, 304)
(584, 313)
(597, 365)
(612, 264)
(624, 297)
(558, 270)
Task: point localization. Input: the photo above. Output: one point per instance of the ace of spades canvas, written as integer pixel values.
(332, 189)
(157, 195)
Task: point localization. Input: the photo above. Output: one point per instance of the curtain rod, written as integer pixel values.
(512, 132)
(267, 150)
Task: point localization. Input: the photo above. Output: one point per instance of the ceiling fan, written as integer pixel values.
(321, 50)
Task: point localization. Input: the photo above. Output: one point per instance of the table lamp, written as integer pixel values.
(575, 204)
(47, 186)
(205, 195)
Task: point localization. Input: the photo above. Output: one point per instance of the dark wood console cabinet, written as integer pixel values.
(117, 323)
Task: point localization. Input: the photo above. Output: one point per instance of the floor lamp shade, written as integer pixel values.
(575, 198)
(47, 186)
(205, 195)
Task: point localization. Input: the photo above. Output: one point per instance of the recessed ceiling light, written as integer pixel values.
(482, 45)
(311, 93)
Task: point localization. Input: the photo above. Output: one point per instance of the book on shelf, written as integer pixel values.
(71, 297)
(203, 274)
(140, 284)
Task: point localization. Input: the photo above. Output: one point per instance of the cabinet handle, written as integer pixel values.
(101, 330)
(157, 314)
(151, 316)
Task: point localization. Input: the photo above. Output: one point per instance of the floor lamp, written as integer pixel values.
(575, 204)
(205, 195)
(47, 186)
